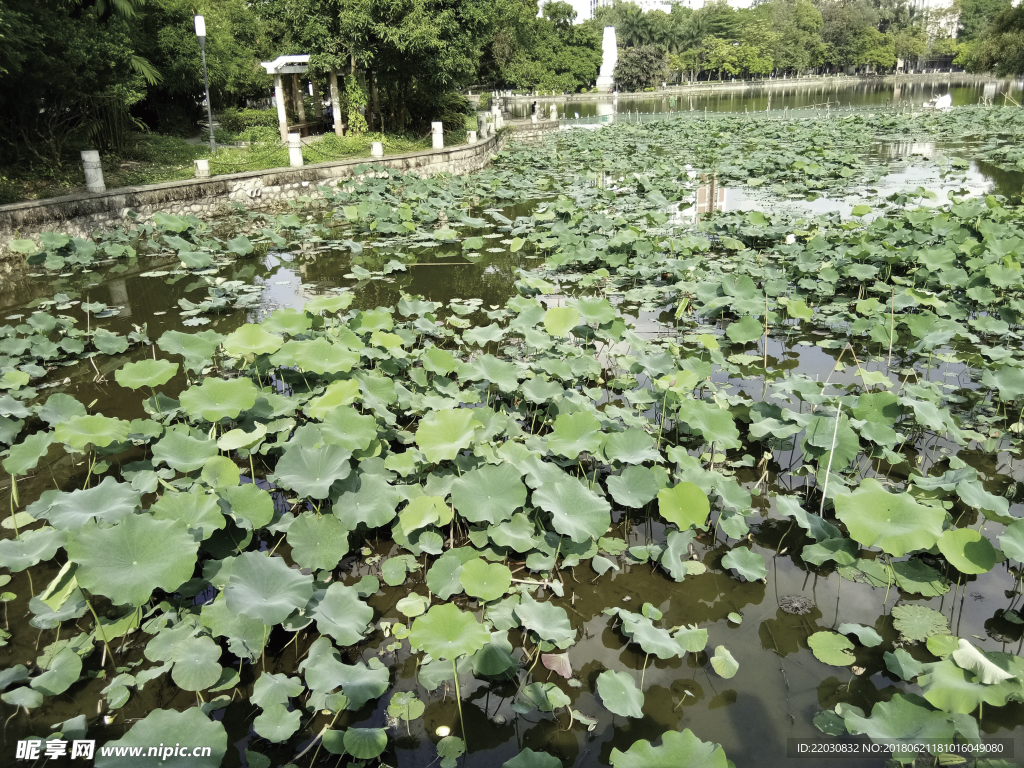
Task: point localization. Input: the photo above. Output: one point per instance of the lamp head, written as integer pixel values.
(200, 26)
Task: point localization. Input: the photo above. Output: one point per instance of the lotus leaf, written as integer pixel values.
(183, 452)
(251, 340)
(312, 471)
(749, 564)
(318, 542)
(195, 663)
(198, 511)
(341, 614)
(82, 431)
(166, 726)
(724, 663)
(249, 505)
(918, 622)
(127, 561)
(446, 633)
(486, 581)
(318, 356)
(365, 743)
(894, 522)
(548, 621)
(684, 504)
(277, 723)
(145, 373)
(443, 434)
(31, 548)
(902, 664)
(368, 500)
(337, 395)
(576, 511)
(489, 494)
(274, 689)
(1011, 541)
(558, 321)
(620, 694)
(948, 687)
(62, 670)
(677, 749)
(109, 502)
(265, 588)
(967, 550)
(831, 648)
(216, 399)
(635, 487)
(547, 697)
(575, 433)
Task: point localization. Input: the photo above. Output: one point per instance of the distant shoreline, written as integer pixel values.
(831, 81)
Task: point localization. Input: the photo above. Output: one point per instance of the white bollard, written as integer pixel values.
(202, 169)
(471, 137)
(533, 117)
(93, 171)
(481, 126)
(376, 149)
(295, 150)
(554, 112)
(437, 135)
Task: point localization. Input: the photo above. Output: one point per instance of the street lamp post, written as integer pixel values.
(201, 34)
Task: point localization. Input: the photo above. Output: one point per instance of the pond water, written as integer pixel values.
(780, 686)
(803, 97)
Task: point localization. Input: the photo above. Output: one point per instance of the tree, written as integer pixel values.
(1000, 47)
(844, 30)
(640, 68)
(910, 44)
(974, 15)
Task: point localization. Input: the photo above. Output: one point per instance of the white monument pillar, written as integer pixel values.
(376, 149)
(282, 112)
(610, 57)
(202, 169)
(332, 79)
(93, 171)
(554, 112)
(295, 150)
(471, 137)
(437, 135)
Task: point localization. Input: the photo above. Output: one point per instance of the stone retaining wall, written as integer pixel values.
(80, 214)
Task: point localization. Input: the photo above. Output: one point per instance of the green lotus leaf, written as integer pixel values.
(575, 433)
(82, 431)
(329, 304)
(337, 395)
(903, 665)
(985, 669)
(318, 542)
(250, 506)
(920, 579)
(367, 500)
(318, 356)
(483, 336)
(879, 407)
(365, 743)
(58, 408)
(635, 487)
(530, 759)
(183, 452)
(145, 373)
(166, 726)
(632, 446)
(489, 494)
(1008, 379)
(443, 434)
(373, 320)
(894, 522)
(274, 689)
(312, 471)
(293, 322)
(195, 663)
(216, 399)
(198, 349)
(654, 640)
(199, 512)
(558, 321)
(691, 639)
(245, 636)
(251, 340)
(547, 620)
(516, 534)
(22, 696)
(1011, 541)
(127, 561)
(110, 502)
(744, 330)
(749, 564)
(486, 581)
(677, 749)
(422, 512)
(443, 576)
(595, 309)
(495, 659)
(831, 648)
(31, 548)
(220, 472)
(967, 550)
(918, 622)
(412, 605)
(446, 633)
(942, 645)
(619, 694)
(952, 689)
(62, 670)
(724, 663)
(867, 636)
(324, 672)
(710, 422)
(342, 615)
(576, 511)
(276, 723)
(685, 504)
(547, 697)
(265, 588)
(346, 427)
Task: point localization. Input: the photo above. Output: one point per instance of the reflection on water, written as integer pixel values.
(822, 94)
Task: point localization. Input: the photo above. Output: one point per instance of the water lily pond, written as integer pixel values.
(660, 444)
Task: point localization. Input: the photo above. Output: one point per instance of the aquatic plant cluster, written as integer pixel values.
(330, 521)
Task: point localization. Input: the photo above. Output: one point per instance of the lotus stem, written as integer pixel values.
(644, 672)
(458, 699)
(831, 453)
(14, 505)
(101, 633)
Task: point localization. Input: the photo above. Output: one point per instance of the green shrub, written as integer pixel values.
(237, 120)
(584, 89)
(485, 101)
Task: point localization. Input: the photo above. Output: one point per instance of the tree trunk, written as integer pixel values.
(374, 100)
